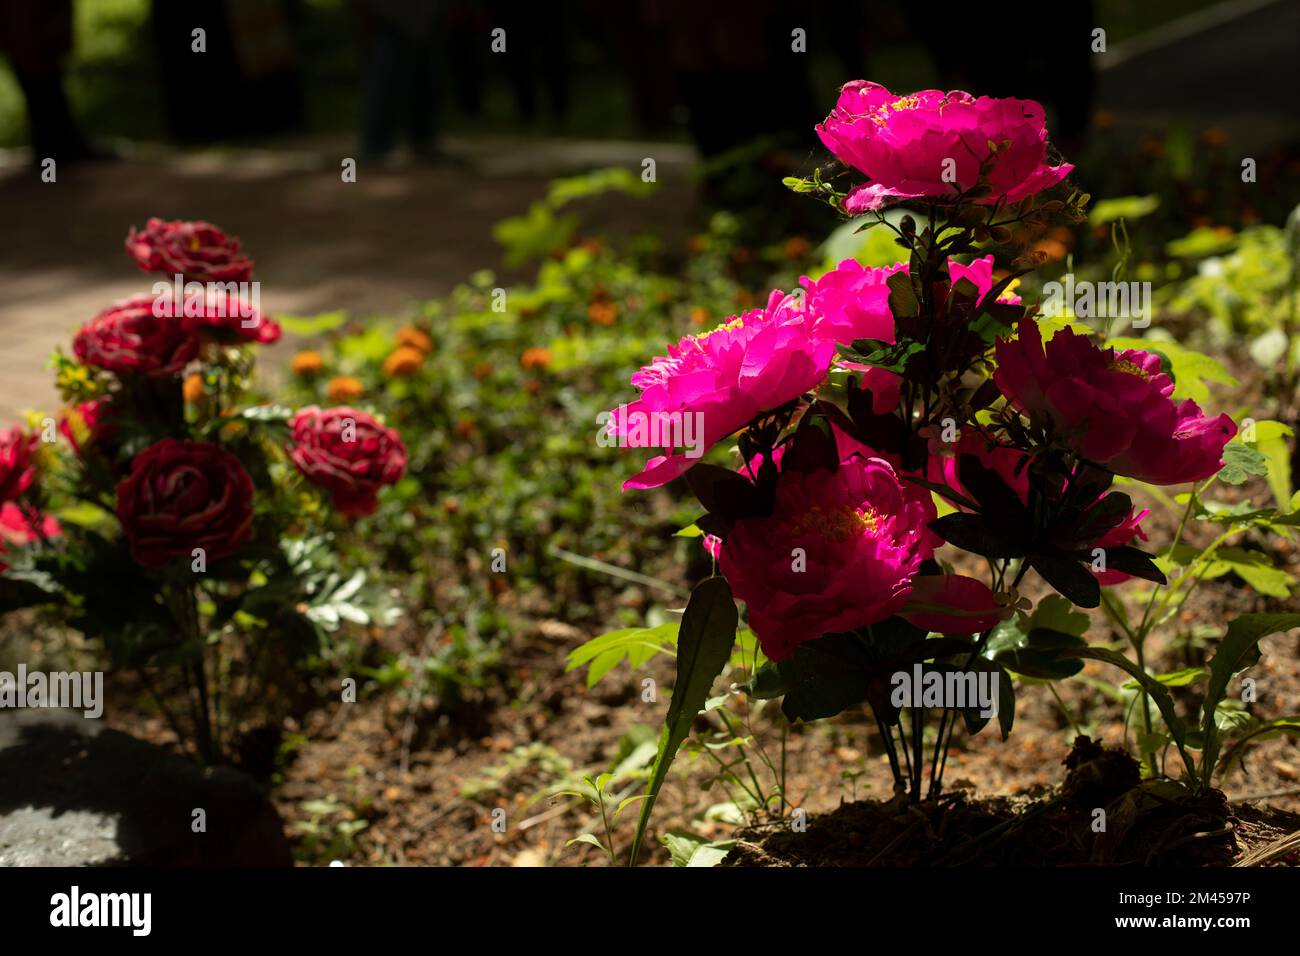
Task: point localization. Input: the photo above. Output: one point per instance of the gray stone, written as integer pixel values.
(73, 793)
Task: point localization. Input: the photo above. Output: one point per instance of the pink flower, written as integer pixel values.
(932, 145)
(840, 551)
(753, 363)
(980, 274)
(852, 302)
(19, 528)
(1114, 409)
(1122, 534)
(17, 468)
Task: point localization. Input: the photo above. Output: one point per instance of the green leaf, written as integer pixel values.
(1254, 567)
(1068, 577)
(687, 849)
(1178, 678)
(708, 631)
(589, 838)
(1122, 207)
(308, 326)
(1240, 462)
(1271, 442)
(1238, 650)
(634, 644)
(979, 535)
(902, 297)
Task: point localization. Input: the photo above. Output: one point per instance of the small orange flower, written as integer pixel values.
(345, 388)
(532, 386)
(482, 370)
(603, 313)
(535, 357)
(307, 363)
(404, 361)
(193, 388)
(465, 428)
(796, 247)
(699, 316)
(418, 339)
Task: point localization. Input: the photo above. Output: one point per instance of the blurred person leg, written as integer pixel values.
(36, 36)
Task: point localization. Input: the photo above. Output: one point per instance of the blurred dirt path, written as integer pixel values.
(376, 246)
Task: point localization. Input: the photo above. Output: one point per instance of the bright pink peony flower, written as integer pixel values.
(852, 302)
(932, 144)
(1114, 408)
(840, 551)
(753, 363)
(19, 528)
(980, 274)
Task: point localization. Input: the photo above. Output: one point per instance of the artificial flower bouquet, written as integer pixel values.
(164, 515)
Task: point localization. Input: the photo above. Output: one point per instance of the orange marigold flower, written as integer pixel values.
(403, 361)
(535, 357)
(193, 387)
(344, 388)
(418, 339)
(699, 316)
(307, 363)
(602, 313)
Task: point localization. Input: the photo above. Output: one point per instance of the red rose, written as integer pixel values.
(226, 316)
(349, 453)
(129, 339)
(199, 251)
(19, 528)
(183, 495)
(17, 471)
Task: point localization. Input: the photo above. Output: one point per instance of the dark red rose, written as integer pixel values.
(183, 495)
(349, 453)
(129, 339)
(20, 527)
(199, 251)
(17, 470)
(226, 316)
